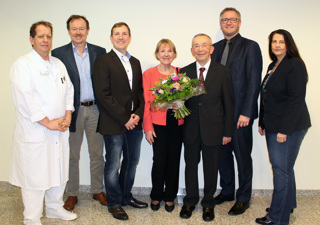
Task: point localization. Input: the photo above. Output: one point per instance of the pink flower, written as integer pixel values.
(175, 78)
(176, 85)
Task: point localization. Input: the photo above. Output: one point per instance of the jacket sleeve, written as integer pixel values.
(228, 105)
(147, 121)
(139, 108)
(253, 66)
(296, 90)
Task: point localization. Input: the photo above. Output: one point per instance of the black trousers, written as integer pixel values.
(166, 160)
(210, 158)
(241, 145)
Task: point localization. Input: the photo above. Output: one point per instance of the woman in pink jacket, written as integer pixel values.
(163, 131)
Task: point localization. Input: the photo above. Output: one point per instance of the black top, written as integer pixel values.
(282, 104)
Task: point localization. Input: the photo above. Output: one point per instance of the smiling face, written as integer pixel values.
(42, 41)
(165, 54)
(202, 49)
(78, 31)
(230, 24)
(278, 46)
(120, 38)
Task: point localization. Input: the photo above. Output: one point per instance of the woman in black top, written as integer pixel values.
(284, 119)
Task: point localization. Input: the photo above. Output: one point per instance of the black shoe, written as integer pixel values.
(155, 207)
(208, 214)
(268, 210)
(136, 203)
(169, 208)
(186, 211)
(264, 220)
(223, 198)
(118, 213)
(238, 208)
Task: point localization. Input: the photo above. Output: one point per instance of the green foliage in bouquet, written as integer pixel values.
(173, 90)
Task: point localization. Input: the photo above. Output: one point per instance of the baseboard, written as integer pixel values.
(181, 192)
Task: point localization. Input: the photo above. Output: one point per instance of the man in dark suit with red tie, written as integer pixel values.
(117, 79)
(243, 57)
(207, 127)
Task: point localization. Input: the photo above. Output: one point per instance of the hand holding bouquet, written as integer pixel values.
(175, 90)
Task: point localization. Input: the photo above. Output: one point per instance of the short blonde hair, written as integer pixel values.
(165, 42)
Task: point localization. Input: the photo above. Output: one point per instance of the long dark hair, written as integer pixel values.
(292, 50)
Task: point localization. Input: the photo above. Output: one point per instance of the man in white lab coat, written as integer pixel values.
(43, 97)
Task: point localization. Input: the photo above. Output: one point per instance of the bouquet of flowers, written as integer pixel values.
(174, 90)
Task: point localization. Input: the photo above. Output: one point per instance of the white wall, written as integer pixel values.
(179, 21)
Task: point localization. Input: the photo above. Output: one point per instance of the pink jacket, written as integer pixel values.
(159, 117)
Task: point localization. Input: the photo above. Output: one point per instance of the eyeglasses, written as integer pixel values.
(232, 20)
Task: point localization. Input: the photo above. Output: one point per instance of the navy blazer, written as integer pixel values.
(112, 89)
(211, 115)
(283, 108)
(65, 54)
(245, 62)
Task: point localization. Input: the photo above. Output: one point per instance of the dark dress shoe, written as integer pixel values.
(70, 202)
(186, 211)
(101, 197)
(223, 198)
(208, 214)
(118, 213)
(155, 207)
(136, 203)
(268, 210)
(238, 208)
(264, 220)
(169, 208)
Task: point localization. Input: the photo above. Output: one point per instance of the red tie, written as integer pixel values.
(201, 76)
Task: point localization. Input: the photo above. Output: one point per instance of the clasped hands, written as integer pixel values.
(61, 124)
(133, 122)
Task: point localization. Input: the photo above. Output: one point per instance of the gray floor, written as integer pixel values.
(90, 212)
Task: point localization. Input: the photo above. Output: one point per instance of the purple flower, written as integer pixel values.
(172, 89)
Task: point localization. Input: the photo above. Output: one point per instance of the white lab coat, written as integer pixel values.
(40, 89)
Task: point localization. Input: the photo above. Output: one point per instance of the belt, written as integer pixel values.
(89, 103)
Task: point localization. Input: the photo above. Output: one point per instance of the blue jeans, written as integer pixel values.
(118, 187)
(283, 157)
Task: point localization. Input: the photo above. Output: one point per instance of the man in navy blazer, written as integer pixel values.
(207, 127)
(244, 59)
(79, 57)
(117, 80)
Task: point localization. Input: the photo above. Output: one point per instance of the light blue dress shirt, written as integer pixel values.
(83, 65)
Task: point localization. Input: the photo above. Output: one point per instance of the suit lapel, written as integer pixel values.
(278, 71)
(122, 72)
(210, 74)
(92, 56)
(71, 60)
(134, 73)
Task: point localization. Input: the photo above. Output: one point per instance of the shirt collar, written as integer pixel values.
(205, 66)
(75, 49)
(234, 39)
(40, 58)
(122, 57)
